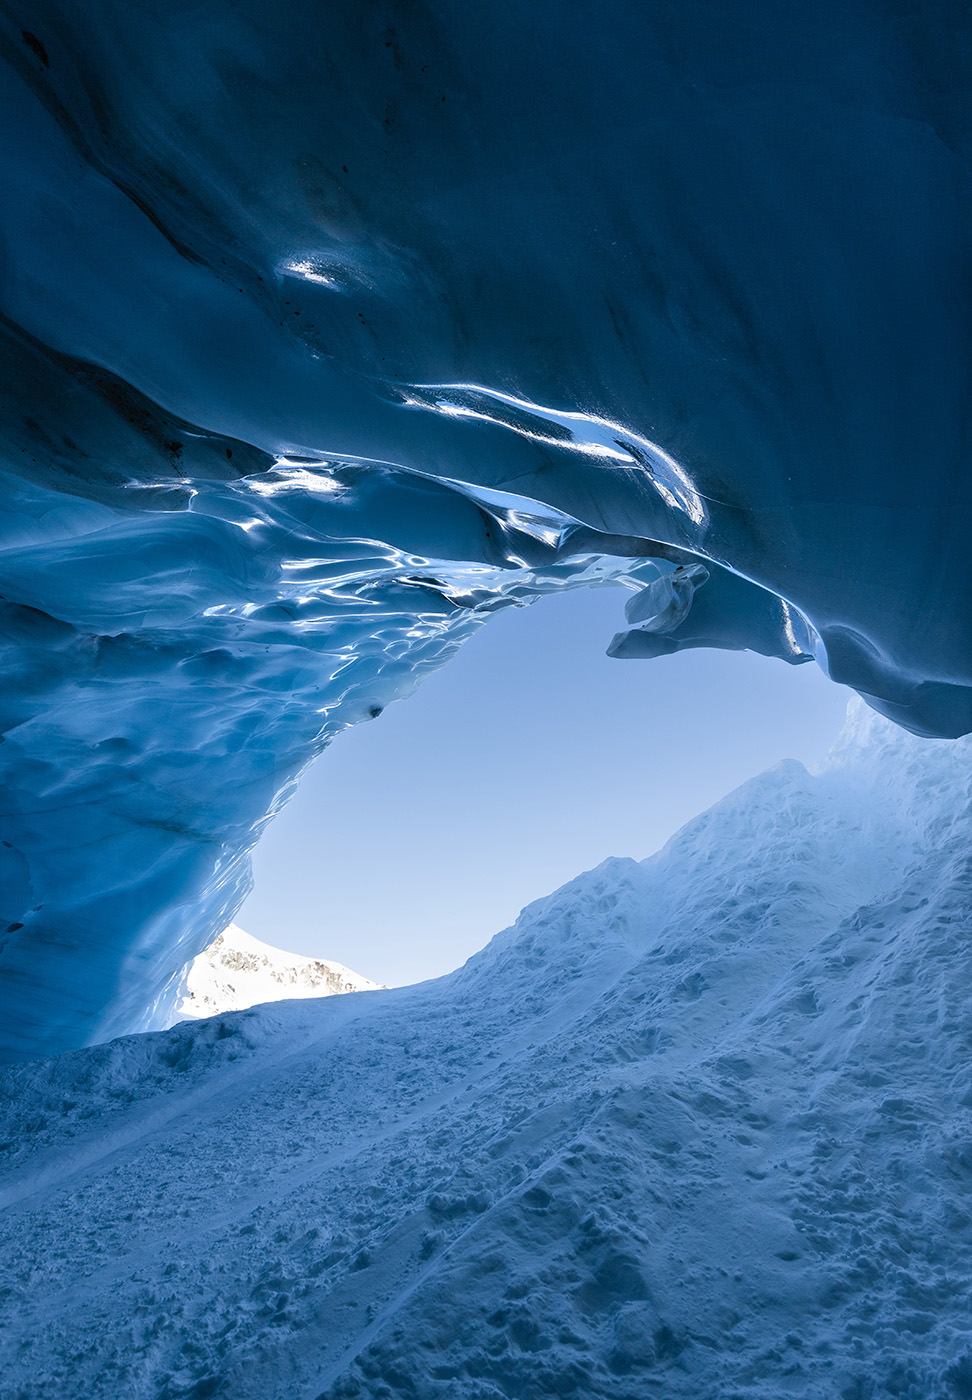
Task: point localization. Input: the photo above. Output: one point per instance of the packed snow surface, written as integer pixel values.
(238, 971)
(327, 332)
(695, 1127)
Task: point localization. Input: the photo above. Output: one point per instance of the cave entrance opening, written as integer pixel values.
(528, 758)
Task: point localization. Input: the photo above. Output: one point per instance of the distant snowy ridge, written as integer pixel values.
(237, 971)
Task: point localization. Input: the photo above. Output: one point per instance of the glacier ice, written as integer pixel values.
(694, 1126)
(324, 335)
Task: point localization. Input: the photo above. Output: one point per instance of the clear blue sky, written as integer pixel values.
(529, 758)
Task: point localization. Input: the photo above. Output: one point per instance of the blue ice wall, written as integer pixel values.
(326, 330)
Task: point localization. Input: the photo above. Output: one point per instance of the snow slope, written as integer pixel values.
(699, 1126)
(238, 971)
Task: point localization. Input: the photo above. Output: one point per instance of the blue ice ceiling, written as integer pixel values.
(327, 330)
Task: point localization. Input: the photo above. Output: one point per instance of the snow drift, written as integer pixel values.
(322, 336)
(695, 1126)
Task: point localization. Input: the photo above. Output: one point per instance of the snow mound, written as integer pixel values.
(694, 1126)
(238, 971)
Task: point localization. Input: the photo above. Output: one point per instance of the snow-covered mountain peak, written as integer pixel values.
(238, 971)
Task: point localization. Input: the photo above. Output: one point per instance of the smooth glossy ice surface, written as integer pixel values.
(325, 333)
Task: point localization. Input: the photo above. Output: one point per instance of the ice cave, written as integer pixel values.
(327, 332)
